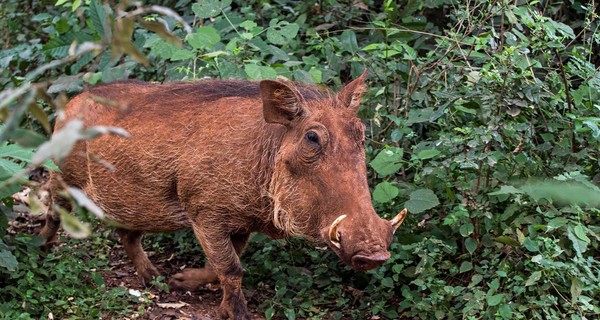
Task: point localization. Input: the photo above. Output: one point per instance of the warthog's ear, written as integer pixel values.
(280, 102)
(352, 92)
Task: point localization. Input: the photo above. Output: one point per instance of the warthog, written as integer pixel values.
(228, 158)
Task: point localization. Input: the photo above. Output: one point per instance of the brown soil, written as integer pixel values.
(199, 305)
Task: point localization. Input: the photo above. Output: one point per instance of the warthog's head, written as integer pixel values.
(319, 184)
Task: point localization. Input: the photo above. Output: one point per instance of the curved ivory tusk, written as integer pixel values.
(398, 219)
(334, 236)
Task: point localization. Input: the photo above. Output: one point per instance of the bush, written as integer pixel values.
(483, 120)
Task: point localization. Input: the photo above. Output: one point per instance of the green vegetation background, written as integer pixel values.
(483, 120)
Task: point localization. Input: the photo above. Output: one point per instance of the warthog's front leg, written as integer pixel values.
(222, 251)
(191, 279)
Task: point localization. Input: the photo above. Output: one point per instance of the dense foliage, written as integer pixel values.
(483, 120)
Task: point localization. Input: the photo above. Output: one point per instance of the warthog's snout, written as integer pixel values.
(368, 262)
(362, 242)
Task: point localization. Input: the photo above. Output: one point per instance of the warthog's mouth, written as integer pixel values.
(362, 260)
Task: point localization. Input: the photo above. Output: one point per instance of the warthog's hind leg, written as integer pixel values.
(132, 243)
(48, 232)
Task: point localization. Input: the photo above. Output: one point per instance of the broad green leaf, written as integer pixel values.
(466, 229)
(204, 38)
(576, 289)
(531, 245)
(256, 72)
(248, 25)
(205, 9)
(290, 314)
(8, 260)
(466, 266)
(348, 39)
(506, 190)
(557, 223)
(388, 161)
(533, 278)
(507, 241)
(580, 231)
(385, 192)
(281, 32)
(83, 200)
(74, 227)
(16, 151)
(8, 168)
(269, 313)
(97, 16)
(428, 154)
(419, 116)
(495, 299)
(564, 192)
(387, 282)
(421, 200)
(471, 245)
(578, 245)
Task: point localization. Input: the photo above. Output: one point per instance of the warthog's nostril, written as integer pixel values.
(362, 263)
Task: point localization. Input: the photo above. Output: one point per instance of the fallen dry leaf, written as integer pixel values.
(172, 305)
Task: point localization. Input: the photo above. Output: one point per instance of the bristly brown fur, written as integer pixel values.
(225, 159)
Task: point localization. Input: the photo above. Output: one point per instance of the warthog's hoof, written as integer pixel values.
(238, 312)
(192, 279)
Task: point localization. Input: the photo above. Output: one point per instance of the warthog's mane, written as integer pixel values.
(210, 90)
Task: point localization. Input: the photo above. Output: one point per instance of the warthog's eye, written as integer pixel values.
(312, 137)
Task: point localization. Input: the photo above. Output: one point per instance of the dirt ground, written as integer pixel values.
(198, 305)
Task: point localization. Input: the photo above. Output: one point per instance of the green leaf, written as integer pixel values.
(348, 39)
(205, 9)
(421, 200)
(281, 32)
(256, 72)
(466, 229)
(7, 260)
(385, 192)
(576, 289)
(269, 313)
(466, 266)
(494, 300)
(204, 38)
(557, 222)
(16, 151)
(419, 115)
(471, 245)
(248, 25)
(387, 282)
(578, 245)
(531, 245)
(82, 199)
(73, 226)
(8, 168)
(428, 154)
(97, 16)
(580, 231)
(290, 314)
(533, 278)
(506, 190)
(507, 241)
(387, 161)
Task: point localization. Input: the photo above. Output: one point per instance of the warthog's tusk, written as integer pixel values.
(334, 236)
(398, 219)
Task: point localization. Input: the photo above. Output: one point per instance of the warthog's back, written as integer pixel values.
(198, 143)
